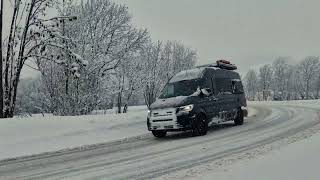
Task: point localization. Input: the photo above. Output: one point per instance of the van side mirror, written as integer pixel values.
(206, 91)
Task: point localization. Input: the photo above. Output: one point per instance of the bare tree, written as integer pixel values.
(1, 62)
(81, 53)
(292, 81)
(289, 82)
(279, 66)
(251, 81)
(177, 57)
(30, 98)
(161, 63)
(309, 67)
(265, 79)
(130, 79)
(153, 82)
(317, 83)
(30, 33)
(298, 84)
(105, 38)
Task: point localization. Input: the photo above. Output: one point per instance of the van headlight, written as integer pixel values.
(185, 109)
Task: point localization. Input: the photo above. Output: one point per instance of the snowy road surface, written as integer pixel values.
(144, 157)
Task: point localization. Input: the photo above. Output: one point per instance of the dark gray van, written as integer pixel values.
(196, 98)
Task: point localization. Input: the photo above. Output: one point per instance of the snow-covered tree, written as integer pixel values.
(309, 67)
(292, 81)
(153, 77)
(279, 66)
(251, 82)
(87, 55)
(1, 62)
(130, 79)
(298, 84)
(31, 33)
(265, 74)
(105, 38)
(31, 99)
(317, 84)
(161, 63)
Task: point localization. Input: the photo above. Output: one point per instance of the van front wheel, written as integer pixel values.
(200, 126)
(159, 134)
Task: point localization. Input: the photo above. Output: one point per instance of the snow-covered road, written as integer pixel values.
(177, 156)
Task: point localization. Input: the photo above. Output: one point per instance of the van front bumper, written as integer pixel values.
(170, 122)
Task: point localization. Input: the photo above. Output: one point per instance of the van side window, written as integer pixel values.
(223, 85)
(208, 85)
(237, 87)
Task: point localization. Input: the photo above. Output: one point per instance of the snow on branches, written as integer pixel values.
(89, 56)
(31, 36)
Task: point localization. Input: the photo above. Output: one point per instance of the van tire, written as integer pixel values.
(200, 125)
(239, 119)
(159, 133)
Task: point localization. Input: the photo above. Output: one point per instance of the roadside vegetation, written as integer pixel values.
(90, 56)
(283, 80)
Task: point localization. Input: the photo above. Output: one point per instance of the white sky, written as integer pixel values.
(248, 32)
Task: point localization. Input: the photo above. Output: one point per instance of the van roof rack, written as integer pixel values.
(222, 64)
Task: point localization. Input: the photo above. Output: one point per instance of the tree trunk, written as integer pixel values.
(307, 90)
(1, 63)
(119, 102)
(9, 59)
(125, 107)
(11, 92)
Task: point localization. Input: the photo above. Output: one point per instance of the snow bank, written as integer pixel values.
(27, 136)
(299, 103)
(294, 162)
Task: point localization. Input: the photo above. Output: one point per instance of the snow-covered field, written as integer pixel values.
(298, 103)
(296, 161)
(33, 135)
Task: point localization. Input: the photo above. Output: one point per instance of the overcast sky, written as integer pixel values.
(248, 32)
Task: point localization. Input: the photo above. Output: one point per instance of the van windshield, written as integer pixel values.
(180, 88)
